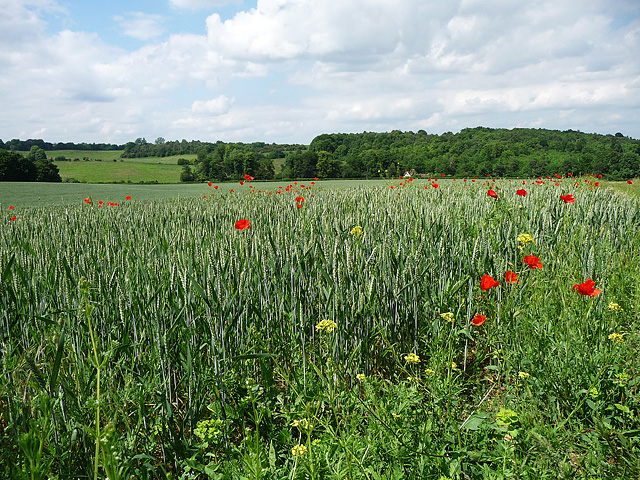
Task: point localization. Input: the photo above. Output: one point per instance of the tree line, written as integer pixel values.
(480, 151)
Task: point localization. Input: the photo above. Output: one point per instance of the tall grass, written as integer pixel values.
(197, 320)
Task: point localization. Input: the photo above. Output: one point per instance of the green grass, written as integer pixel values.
(108, 172)
(23, 194)
(197, 349)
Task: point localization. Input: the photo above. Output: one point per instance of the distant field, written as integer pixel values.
(22, 194)
(40, 194)
(126, 171)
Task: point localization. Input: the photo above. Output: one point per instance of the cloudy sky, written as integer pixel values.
(285, 71)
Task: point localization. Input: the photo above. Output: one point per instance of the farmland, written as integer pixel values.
(374, 330)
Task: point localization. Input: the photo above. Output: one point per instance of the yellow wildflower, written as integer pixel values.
(412, 358)
(616, 338)
(525, 238)
(429, 373)
(523, 375)
(615, 307)
(360, 377)
(299, 450)
(357, 230)
(326, 326)
(448, 316)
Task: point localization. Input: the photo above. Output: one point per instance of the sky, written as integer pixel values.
(285, 71)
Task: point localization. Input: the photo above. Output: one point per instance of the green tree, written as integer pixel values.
(47, 171)
(14, 167)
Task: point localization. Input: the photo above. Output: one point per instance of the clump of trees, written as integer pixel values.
(34, 167)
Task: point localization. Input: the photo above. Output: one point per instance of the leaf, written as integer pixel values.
(475, 421)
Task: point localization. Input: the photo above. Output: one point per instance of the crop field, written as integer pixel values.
(363, 330)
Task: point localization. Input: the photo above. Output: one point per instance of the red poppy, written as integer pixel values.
(629, 182)
(216, 187)
(569, 174)
(442, 174)
(587, 288)
(100, 202)
(435, 185)
(300, 199)
(478, 320)
(248, 177)
(299, 205)
(231, 190)
(492, 194)
(128, 197)
(511, 277)
(87, 200)
(11, 207)
(597, 184)
(568, 198)
(532, 261)
(242, 224)
(488, 282)
(522, 192)
(315, 178)
(13, 219)
(599, 176)
(241, 182)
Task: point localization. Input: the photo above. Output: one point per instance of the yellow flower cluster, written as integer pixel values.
(525, 238)
(616, 338)
(326, 326)
(299, 450)
(357, 230)
(412, 358)
(523, 375)
(448, 316)
(360, 377)
(615, 307)
(302, 424)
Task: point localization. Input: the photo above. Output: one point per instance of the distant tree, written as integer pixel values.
(47, 171)
(36, 153)
(187, 174)
(14, 167)
(160, 141)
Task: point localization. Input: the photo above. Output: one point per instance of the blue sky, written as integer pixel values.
(288, 70)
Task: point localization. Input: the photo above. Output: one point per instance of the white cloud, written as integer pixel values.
(143, 26)
(201, 4)
(288, 70)
(216, 106)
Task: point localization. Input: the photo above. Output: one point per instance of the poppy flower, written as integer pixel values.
(488, 282)
(532, 261)
(300, 199)
(569, 174)
(522, 192)
(299, 205)
(128, 197)
(248, 177)
(587, 288)
(568, 198)
(492, 194)
(11, 207)
(435, 185)
(13, 219)
(629, 182)
(216, 187)
(242, 224)
(511, 277)
(478, 320)
(231, 190)
(241, 182)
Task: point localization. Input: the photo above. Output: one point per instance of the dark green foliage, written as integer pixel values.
(16, 168)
